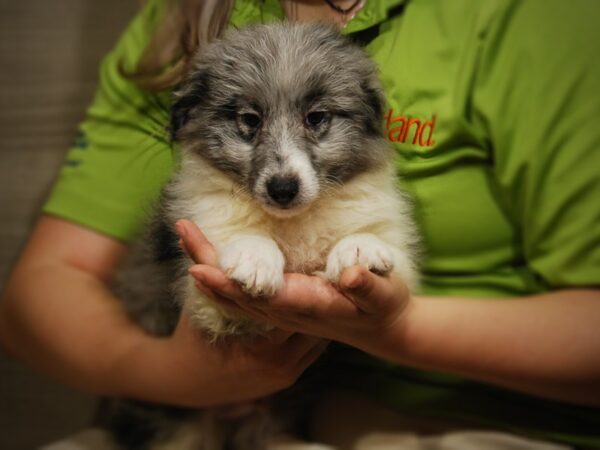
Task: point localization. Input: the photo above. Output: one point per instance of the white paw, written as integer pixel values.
(256, 263)
(359, 250)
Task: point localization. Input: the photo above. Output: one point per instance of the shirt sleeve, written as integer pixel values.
(539, 96)
(121, 156)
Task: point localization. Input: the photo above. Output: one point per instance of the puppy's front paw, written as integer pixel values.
(359, 250)
(256, 263)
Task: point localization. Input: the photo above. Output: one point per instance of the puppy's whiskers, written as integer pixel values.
(240, 192)
(330, 186)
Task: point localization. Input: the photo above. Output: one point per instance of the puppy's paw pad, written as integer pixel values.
(255, 263)
(359, 250)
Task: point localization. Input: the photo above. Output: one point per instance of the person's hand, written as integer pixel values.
(189, 370)
(196, 372)
(366, 310)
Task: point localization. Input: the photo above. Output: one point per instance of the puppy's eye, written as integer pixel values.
(315, 118)
(251, 120)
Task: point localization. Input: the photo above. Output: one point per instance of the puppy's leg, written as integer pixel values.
(255, 262)
(370, 251)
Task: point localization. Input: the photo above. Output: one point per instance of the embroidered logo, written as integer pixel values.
(410, 129)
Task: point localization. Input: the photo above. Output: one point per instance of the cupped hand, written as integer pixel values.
(187, 369)
(365, 310)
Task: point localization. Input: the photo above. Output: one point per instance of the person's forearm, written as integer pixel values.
(546, 345)
(66, 323)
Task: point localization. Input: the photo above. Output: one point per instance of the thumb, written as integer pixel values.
(372, 293)
(195, 243)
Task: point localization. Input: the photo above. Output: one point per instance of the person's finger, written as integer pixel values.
(274, 338)
(215, 280)
(278, 336)
(370, 292)
(243, 309)
(196, 244)
(232, 305)
(309, 298)
(311, 355)
(220, 289)
(298, 345)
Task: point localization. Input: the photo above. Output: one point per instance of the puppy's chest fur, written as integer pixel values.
(367, 204)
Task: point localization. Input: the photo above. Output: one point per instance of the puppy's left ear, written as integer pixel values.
(190, 96)
(375, 103)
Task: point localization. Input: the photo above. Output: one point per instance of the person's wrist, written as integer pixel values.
(394, 335)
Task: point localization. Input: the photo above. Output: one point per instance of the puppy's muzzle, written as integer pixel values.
(283, 189)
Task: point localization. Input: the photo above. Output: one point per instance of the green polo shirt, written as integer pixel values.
(493, 112)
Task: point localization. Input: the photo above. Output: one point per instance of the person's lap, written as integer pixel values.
(350, 422)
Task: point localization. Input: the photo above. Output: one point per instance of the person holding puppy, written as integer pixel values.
(492, 111)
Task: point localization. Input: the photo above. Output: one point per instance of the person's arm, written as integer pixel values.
(546, 345)
(58, 316)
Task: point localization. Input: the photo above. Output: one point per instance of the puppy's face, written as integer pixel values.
(287, 111)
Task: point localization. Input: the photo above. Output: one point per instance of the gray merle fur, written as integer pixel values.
(283, 75)
(280, 74)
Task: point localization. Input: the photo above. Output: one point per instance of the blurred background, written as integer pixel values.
(49, 57)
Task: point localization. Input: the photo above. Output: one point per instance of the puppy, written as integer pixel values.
(285, 168)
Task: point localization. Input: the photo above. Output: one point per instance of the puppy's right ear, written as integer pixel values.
(190, 96)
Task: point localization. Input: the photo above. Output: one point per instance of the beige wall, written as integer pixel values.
(49, 55)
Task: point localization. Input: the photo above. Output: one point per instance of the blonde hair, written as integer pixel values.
(187, 25)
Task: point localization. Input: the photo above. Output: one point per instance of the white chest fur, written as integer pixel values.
(368, 205)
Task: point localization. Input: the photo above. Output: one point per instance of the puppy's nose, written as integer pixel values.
(282, 189)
